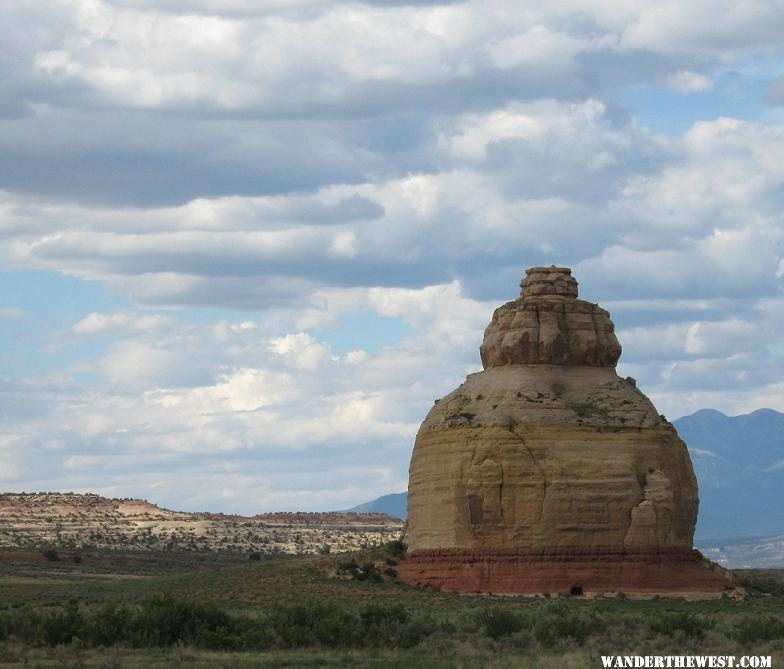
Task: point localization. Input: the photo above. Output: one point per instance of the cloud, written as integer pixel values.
(735, 264)
(11, 313)
(224, 57)
(524, 182)
(101, 324)
(181, 101)
(300, 350)
(714, 339)
(161, 417)
(693, 28)
(260, 193)
(135, 159)
(774, 95)
(184, 402)
(686, 81)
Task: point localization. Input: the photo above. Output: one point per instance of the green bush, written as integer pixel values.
(221, 638)
(365, 572)
(50, 628)
(370, 572)
(312, 623)
(165, 621)
(383, 614)
(107, 625)
(396, 549)
(557, 621)
(752, 629)
(382, 624)
(680, 623)
(411, 633)
(258, 637)
(498, 623)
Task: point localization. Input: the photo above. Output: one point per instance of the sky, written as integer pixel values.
(244, 245)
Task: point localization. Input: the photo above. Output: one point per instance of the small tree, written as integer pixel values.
(51, 555)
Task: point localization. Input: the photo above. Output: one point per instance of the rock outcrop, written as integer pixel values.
(547, 472)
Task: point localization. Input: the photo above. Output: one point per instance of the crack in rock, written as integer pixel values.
(536, 464)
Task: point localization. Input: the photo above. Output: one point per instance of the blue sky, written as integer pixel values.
(245, 245)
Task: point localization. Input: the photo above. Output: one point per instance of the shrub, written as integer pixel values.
(383, 614)
(258, 637)
(762, 584)
(349, 566)
(51, 554)
(411, 633)
(60, 627)
(396, 548)
(366, 572)
(383, 624)
(556, 621)
(163, 621)
(313, 622)
(683, 623)
(498, 623)
(753, 629)
(221, 638)
(107, 625)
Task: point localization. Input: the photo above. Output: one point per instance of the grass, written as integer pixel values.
(114, 611)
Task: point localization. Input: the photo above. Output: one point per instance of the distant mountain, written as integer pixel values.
(739, 463)
(393, 505)
(757, 553)
(755, 439)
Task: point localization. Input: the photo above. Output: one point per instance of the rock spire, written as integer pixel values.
(547, 472)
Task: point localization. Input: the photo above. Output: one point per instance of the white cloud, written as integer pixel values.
(309, 163)
(703, 339)
(299, 350)
(725, 178)
(534, 46)
(686, 81)
(575, 133)
(11, 313)
(136, 364)
(241, 390)
(279, 56)
(441, 313)
(119, 323)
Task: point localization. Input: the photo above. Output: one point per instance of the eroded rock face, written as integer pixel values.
(547, 467)
(547, 324)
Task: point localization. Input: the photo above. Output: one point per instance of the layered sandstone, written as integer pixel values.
(547, 471)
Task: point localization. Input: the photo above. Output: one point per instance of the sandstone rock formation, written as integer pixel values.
(547, 472)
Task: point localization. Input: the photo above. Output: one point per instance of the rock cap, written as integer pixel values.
(548, 325)
(548, 281)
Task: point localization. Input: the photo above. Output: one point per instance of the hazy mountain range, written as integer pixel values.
(739, 462)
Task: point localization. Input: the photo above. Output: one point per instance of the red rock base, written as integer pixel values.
(566, 570)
